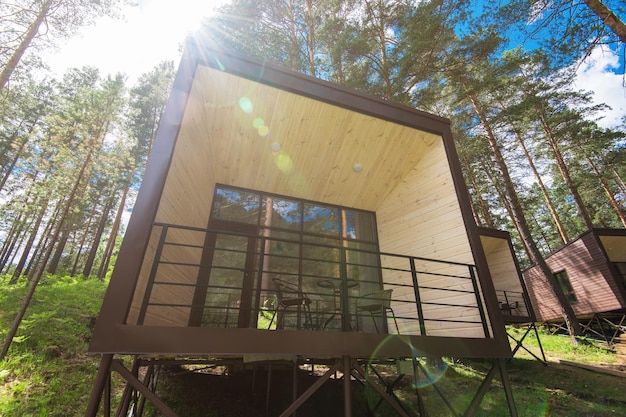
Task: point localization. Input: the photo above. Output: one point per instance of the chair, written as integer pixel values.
(378, 302)
(290, 295)
(507, 308)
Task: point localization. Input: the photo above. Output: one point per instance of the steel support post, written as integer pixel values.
(104, 371)
(347, 393)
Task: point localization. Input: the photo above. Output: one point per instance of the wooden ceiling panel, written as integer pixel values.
(615, 247)
(260, 137)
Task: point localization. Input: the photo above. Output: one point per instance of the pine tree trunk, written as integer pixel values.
(43, 240)
(11, 242)
(108, 251)
(619, 180)
(482, 205)
(555, 215)
(29, 245)
(518, 215)
(84, 239)
(507, 207)
(4, 251)
(22, 237)
(24, 44)
(560, 162)
(96, 239)
(618, 209)
(9, 170)
(310, 37)
(608, 17)
(60, 243)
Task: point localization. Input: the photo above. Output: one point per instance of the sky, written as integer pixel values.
(148, 33)
(154, 30)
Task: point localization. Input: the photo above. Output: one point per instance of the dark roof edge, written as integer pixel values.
(279, 76)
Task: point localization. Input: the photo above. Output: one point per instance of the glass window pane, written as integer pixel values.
(360, 225)
(566, 286)
(281, 213)
(236, 205)
(320, 219)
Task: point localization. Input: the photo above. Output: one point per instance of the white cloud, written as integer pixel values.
(597, 75)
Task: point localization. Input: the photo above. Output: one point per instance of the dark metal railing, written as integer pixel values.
(513, 303)
(334, 285)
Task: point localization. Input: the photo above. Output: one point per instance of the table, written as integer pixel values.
(340, 291)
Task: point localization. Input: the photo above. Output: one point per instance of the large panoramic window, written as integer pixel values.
(300, 217)
(286, 245)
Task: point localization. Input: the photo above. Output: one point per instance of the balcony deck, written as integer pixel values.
(428, 297)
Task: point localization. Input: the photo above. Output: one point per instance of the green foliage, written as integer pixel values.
(561, 347)
(47, 371)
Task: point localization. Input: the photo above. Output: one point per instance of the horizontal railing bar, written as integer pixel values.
(189, 245)
(234, 233)
(300, 264)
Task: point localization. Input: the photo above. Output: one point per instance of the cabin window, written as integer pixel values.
(566, 286)
(279, 239)
(269, 211)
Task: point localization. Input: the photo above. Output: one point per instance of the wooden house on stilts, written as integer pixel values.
(591, 271)
(511, 291)
(282, 216)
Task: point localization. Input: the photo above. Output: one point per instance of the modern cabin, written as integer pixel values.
(506, 276)
(510, 288)
(591, 271)
(285, 216)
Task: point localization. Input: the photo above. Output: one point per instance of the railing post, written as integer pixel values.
(152, 277)
(506, 298)
(418, 300)
(345, 305)
(479, 302)
(259, 282)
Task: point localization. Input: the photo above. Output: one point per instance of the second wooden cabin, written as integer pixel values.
(591, 272)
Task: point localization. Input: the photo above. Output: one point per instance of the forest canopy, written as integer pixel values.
(535, 159)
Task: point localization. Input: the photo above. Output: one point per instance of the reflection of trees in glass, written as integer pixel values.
(287, 214)
(235, 205)
(226, 282)
(304, 241)
(321, 219)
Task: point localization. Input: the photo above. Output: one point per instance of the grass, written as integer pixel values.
(48, 373)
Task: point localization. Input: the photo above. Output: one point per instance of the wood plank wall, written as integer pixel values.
(504, 273)
(588, 273)
(421, 217)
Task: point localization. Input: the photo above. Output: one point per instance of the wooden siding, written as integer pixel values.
(405, 179)
(421, 217)
(506, 276)
(310, 151)
(175, 277)
(504, 272)
(590, 276)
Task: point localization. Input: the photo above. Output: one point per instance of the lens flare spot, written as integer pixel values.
(428, 371)
(275, 147)
(245, 105)
(263, 131)
(283, 162)
(357, 167)
(258, 122)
